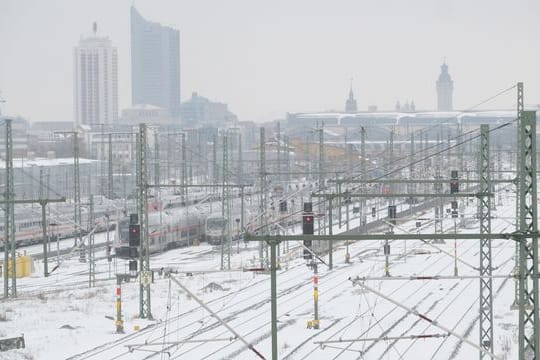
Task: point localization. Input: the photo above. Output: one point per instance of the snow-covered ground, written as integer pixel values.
(61, 317)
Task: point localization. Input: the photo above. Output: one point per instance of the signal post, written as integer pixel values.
(308, 229)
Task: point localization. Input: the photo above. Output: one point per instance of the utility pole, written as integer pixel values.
(499, 175)
(9, 226)
(438, 189)
(142, 204)
(240, 167)
(527, 236)
(77, 184)
(91, 251)
(486, 285)
(288, 159)
(169, 161)
(520, 109)
(348, 173)
(278, 148)
(273, 296)
(225, 211)
(101, 159)
(363, 177)
(43, 224)
(215, 173)
(412, 187)
(183, 179)
(321, 206)
(157, 179)
(389, 169)
(110, 169)
(263, 193)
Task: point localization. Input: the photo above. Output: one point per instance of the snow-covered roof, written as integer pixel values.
(24, 162)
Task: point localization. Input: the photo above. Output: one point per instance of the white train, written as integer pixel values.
(167, 229)
(215, 228)
(60, 218)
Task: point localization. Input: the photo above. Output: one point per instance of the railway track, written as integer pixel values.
(209, 329)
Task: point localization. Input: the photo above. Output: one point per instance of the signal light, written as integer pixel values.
(454, 186)
(134, 235)
(307, 225)
(307, 229)
(392, 214)
(454, 183)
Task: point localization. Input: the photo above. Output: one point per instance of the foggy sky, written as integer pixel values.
(266, 58)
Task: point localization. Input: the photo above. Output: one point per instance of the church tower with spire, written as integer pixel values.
(445, 88)
(350, 104)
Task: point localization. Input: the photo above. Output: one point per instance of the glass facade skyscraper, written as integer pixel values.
(155, 64)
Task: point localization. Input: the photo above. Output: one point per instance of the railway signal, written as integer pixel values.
(392, 213)
(454, 182)
(308, 229)
(134, 235)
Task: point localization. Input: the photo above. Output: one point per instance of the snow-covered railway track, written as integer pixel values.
(284, 301)
(399, 288)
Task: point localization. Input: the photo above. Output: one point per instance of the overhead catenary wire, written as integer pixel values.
(422, 316)
(429, 156)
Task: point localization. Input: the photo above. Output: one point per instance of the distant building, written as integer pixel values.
(199, 111)
(96, 81)
(148, 114)
(155, 64)
(350, 104)
(445, 88)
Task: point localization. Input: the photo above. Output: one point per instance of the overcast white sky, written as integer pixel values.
(266, 58)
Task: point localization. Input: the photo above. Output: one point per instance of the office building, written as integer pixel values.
(95, 81)
(155, 64)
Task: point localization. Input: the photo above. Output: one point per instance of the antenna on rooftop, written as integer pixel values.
(94, 28)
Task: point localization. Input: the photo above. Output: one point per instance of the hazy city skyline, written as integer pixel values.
(266, 59)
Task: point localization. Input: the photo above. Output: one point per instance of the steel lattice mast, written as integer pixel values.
(110, 169)
(520, 107)
(225, 209)
(9, 211)
(77, 195)
(363, 176)
(142, 204)
(263, 192)
(528, 240)
(486, 283)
